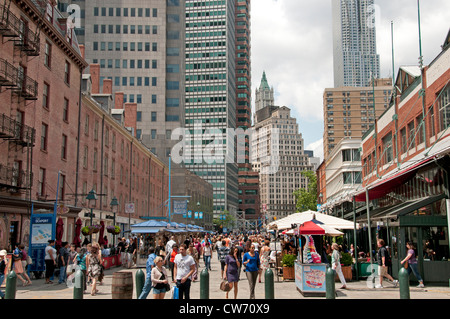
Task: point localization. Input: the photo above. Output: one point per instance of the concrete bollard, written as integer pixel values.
(140, 282)
(11, 280)
(78, 288)
(204, 284)
(269, 284)
(330, 284)
(403, 279)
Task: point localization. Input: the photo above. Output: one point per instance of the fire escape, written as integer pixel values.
(21, 137)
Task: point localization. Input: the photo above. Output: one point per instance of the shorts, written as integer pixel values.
(159, 291)
(382, 271)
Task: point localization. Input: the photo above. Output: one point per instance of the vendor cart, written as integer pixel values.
(310, 272)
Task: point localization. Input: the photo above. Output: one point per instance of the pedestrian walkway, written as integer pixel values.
(283, 289)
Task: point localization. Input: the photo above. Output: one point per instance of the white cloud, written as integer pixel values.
(317, 147)
(292, 42)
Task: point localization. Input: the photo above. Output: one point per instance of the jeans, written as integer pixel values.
(414, 268)
(62, 274)
(252, 276)
(147, 287)
(207, 260)
(184, 289)
(171, 266)
(2, 277)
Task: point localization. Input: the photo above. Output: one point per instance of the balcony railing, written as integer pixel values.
(17, 81)
(14, 178)
(11, 26)
(11, 129)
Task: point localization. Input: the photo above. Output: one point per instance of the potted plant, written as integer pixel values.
(95, 228)
(346, 265)
(115, 230)
(288, 266)
(86, 231)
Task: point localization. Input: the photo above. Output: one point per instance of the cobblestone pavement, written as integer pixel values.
(283, 289)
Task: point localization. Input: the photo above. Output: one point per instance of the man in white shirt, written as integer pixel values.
(183, 269)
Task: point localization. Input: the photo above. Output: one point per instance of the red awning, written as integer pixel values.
(310, 228)
(385, 186)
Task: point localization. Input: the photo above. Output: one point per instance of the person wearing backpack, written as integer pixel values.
(384, 262)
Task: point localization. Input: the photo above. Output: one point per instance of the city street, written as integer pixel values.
(283, 289)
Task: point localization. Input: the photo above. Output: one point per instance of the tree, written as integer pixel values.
(229, 220)
(306, 199)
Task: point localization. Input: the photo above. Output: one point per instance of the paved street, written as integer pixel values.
(283, 289)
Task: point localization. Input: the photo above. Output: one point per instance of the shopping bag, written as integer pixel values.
(225, 286)
(174, 294)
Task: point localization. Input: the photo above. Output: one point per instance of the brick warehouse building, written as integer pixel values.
(40, 73)
(406, 160)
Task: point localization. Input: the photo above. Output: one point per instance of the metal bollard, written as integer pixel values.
(403, 279)
(269, 284)
(204, 284)
(11, 280)
(330, 284)
(78, 288)
(140, 282)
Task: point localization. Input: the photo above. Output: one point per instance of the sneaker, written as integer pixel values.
(395, 282)
(379, 286)
(420, 286)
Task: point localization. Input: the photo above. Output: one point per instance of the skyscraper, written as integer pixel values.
(211, 95)
(355, 56)
(140, 47)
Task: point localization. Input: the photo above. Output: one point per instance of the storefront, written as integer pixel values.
(413, 207)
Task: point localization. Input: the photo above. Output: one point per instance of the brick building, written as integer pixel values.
(406, 160)
(40, 74)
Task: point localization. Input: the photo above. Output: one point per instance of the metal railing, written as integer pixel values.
(14, 178)
(13, 130)
(10, 25)
(19, 83)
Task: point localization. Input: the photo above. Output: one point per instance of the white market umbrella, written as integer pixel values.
(300, 218)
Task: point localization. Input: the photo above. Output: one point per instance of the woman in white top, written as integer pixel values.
(207, 254)
(159, 279)
(50, 261)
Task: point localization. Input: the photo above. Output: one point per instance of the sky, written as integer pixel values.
(291, 40)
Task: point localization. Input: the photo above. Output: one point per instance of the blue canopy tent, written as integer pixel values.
(146, 231)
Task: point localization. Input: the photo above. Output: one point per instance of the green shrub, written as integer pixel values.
(288, 260)
(346, 259)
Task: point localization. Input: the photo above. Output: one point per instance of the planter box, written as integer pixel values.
(288, 273)
(347, 272)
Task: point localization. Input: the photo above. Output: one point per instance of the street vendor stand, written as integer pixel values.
(310, 272)
(146, 233)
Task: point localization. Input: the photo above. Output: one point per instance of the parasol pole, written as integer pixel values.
(354, 238)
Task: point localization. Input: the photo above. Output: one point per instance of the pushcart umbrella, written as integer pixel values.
(300, 218)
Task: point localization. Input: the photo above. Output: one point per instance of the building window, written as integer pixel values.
(85, 156)
(67, 73)
(44, 134)
(153, 132)
(153, 116)
(411, 136)
(45, 96)
(41, 182)
(387, 148)
(86, 125)
(94, 162)
(64, 147)
(48, 54)
(62, 187)
(444, 108)
(66, 110)
(432, 128)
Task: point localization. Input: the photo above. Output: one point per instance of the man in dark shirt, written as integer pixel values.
(63, 261)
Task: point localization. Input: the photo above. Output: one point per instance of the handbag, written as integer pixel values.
(406, 265)
(167, 286)
(225, 286)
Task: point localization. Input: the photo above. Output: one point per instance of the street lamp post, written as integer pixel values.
(92, 200)
(114, 207)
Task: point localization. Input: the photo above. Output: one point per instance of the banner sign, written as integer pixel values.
(179, 207)
(200, 215)
(189, 214)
